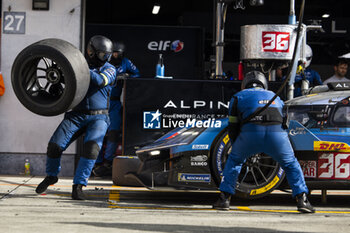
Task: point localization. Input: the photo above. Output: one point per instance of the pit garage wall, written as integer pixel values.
(23, 133)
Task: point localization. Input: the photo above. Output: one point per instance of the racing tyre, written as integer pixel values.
(123, 165)
(50, 77)
(259, 176)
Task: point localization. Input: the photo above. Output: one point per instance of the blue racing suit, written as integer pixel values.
(262, 134)
(311, 75)
(90, 116)
(115, 111)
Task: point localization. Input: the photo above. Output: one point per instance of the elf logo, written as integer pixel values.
(175, 46)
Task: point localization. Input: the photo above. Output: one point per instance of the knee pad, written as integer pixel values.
(53, 150)
(90, 150)
(114, 135)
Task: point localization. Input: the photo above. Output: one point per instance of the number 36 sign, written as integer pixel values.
(14, 22)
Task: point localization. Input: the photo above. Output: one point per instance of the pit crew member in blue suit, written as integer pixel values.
(310, 75)
(125, 68)
(262, 133)
(90, 116)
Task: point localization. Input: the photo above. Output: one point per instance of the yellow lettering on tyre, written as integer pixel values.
(226, 139)
(265, 188)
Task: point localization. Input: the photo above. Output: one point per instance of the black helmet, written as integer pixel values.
(119, 47)
(99, 50)
(254, 79)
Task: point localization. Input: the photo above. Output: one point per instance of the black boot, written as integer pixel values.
(49, 180)
(104, 170)
(223, 203)
(303, 204)
(77, 192)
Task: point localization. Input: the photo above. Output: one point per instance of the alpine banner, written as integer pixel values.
(154, 107)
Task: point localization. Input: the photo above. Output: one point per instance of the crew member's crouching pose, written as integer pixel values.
(263, 133)
(90, 116)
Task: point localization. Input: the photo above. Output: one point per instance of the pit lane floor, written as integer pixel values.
(134, 209)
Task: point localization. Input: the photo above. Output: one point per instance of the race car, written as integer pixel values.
(319, 133)
(194, 157)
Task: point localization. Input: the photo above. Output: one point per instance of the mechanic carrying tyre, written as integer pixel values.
(90, 116)
(262, 133)
(125, 68)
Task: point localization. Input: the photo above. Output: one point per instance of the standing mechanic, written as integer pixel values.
(308, 74)
(263, 133)
(125, 68)
(89, 116)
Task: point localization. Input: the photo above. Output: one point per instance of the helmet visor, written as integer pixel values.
(103, 56)
(90, 51)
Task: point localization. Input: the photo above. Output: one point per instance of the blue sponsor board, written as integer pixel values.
(188, 177)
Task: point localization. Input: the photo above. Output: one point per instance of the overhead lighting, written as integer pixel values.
(156, 9)
(326, 15)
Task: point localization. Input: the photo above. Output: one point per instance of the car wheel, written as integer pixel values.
(50, 77)
(122, 166)
(259, 176)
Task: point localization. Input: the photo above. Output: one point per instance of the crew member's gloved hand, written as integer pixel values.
(122, 76)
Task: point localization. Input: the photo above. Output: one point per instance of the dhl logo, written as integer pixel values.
(331, 146)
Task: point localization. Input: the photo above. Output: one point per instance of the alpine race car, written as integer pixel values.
(193, 156)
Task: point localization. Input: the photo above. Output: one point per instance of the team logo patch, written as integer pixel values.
(265, 102)
(177, 46)
(152, 120)
(110, 71)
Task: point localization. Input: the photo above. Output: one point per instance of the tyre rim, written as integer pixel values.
(257, 171)
(43, 80)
